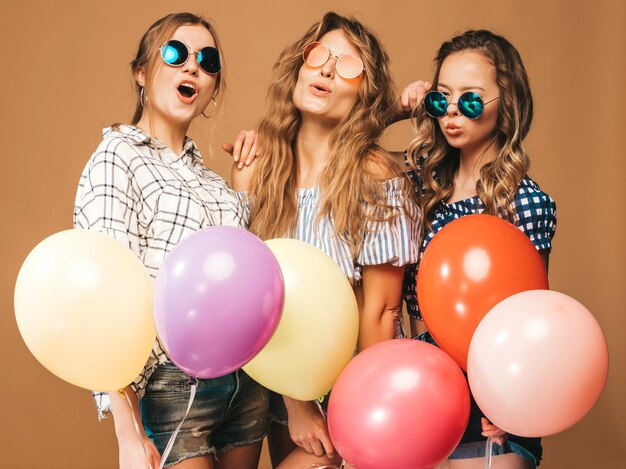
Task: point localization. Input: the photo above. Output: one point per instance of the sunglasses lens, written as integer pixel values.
(209, 60)
(349, 66)
(174, 52)
(471, 105)
(436, 104)
(315, 54)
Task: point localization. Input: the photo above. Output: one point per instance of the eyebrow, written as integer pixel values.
(465, 88)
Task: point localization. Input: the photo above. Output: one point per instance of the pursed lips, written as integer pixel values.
(319, 89)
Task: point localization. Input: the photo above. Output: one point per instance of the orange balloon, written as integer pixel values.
(470, 266)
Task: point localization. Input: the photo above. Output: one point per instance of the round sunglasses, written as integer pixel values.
(348, 66)
(470, 104)
(176, 53)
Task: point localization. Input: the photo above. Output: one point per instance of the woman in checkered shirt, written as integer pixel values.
(147, 187)
(468, 158)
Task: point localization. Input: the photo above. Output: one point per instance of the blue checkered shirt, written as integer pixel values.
(535, 216)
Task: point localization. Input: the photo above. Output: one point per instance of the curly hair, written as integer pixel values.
(499, 178)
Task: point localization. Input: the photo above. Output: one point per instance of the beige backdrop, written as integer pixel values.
(65, 75)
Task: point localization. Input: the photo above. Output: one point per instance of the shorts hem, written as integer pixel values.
(228, 447)
(198, 454)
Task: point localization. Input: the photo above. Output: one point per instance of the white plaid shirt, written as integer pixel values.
(138, 191)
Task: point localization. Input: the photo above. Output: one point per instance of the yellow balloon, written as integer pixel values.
(83, 304)
(317, 333)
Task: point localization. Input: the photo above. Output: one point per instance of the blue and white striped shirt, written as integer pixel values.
(391, 241)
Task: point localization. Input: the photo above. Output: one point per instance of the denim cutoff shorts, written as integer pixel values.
(473, 444)
(227, 412)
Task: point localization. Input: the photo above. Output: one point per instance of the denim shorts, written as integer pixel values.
(227, 412)
(473, 444)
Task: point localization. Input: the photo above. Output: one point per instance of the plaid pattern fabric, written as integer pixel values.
(138, 191)
(535, 217)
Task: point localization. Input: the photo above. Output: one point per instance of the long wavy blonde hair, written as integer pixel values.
(499, 178)
(355, 159)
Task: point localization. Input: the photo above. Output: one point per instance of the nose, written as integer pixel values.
(453, 111)
(191, 66)
(328, 69)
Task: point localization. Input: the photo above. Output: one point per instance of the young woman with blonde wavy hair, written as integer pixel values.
(468, 158)
(323, 179)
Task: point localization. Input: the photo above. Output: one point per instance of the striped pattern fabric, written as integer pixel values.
(385, 242)
(138, 191)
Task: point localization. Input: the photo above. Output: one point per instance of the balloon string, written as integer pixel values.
(132, 412)
(170, 444)
(488, 449)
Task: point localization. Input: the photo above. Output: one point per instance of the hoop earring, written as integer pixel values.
(214, 108)
(141, 98)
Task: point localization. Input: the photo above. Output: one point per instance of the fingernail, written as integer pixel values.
(248, 162)
(236, 157)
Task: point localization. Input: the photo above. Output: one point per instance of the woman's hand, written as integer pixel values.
(245, 148)
(136, 453)
(308, 429)
(411, 96)
(496, 434)
(136, 450)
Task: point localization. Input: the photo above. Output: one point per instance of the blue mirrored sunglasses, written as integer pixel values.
(176, 53)
(470, 104)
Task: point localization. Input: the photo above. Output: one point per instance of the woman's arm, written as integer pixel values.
(308, 428)
(241, 178)
(380, 303)
(136, 450)
(410, 97)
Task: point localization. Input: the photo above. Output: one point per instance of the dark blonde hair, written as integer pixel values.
(499, 178)
(350, 177)
(148, 53)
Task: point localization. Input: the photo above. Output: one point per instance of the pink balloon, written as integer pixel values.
(537, 363)
(399, 404)
(218, 297)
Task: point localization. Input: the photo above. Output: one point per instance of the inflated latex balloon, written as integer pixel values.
(218, 297)
(537, 363)
(83, 304)
(318, 331)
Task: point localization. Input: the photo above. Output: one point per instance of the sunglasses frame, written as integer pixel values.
(329, 55)
(457, 104)
(189, 54)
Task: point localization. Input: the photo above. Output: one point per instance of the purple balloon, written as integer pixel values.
(218, 297)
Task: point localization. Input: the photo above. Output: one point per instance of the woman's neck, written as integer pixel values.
(171, 136)
(471, 162)
(312, 151)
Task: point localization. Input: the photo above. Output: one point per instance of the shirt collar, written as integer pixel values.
(136, 136)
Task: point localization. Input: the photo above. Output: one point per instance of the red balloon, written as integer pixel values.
(400, 404)
(470, 266)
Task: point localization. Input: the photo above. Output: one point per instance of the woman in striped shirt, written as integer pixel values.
(323, 179)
